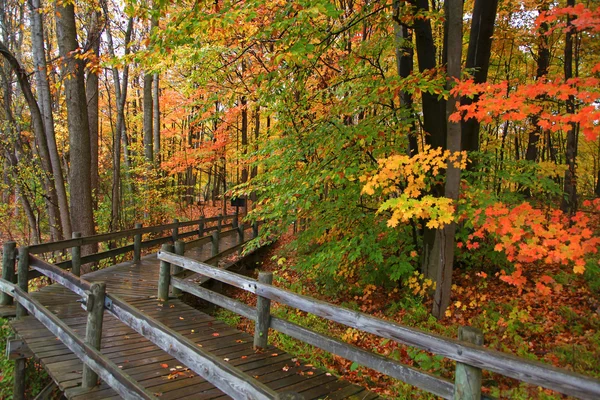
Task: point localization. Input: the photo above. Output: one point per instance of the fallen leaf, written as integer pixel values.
(286, 368)
(216, 334)
(243, 357)
(181, 318)
(164, 365)
(226, 359)
(274, 355)
(309, 373)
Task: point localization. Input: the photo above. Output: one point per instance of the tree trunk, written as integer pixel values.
(40, 138)
(156, 119)
(244, 132)
(45, 105)
(82, 217)
(121, 96)
(454, 17)
(92, 102)
(478, 58)
(148, 125)
(569, 202)
(543, 63)
(404, 64)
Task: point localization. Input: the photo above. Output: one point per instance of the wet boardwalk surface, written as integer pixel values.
(156, 370)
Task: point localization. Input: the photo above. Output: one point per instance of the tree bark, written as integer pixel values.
(543, 63)
(441, 300)
(40, 139)
(569, 202)
(92, 103)
(156, 128)
(404, 65)
(82, 217)
(45, 105)
(148, 124)
(478, 58)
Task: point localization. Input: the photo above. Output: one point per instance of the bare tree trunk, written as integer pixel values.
(543, 63)
(148, 125)
(156, 128)
(569, 202)
(478, 58)
(92, 103)
(121, 96)
(45, 104)
(82, 216)
(40, 137)
(441, 300)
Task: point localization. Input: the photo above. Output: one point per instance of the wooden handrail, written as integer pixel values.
(223, 375)
(103, 237)
(122, 383)
(533, 372)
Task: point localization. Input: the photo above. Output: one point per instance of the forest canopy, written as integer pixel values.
(401, 136)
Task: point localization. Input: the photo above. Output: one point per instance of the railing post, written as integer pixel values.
(137, 244)
(23, 278)
(8, 269)
(219, 222)
(201, 227)
(175, 233)
(467, 379)
(164, 277)
(263, 314)
(240, 236)
(214, 240)
(19, 378)
(234, 220)
(179, 250)
(76, 256)
(254, 230)
(93, 329)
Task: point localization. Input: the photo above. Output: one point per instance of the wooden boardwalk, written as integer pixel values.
(157, 371)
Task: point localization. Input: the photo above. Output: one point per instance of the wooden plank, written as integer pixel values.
(222, 375)
(529, 371)
(108, 371)
(413, 376)
(64, 278)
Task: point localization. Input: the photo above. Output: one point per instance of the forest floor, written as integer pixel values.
(562, 329)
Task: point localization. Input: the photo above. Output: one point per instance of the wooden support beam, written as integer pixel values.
(164, 275)
(137, 244)
(175, 232)
(263, 310)
(76, 256)
(255, 230)
(467, 380)
(8, 269)
(215, 243)
(180, 250)
(23, 278)
(17, 348)
(93, 330)
(219, 222)
(200, 228)
(19, 379)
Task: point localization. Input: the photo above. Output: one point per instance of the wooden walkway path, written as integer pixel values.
(157, 371)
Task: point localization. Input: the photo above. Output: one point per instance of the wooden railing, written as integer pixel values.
(471, 358)
(96, 300)
(202, 227)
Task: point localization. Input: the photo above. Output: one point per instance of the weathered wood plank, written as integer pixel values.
(108, 371)
(413, 376)
(529, 371)
(228, 379)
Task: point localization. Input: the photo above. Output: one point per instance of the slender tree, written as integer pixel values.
(82, 217)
